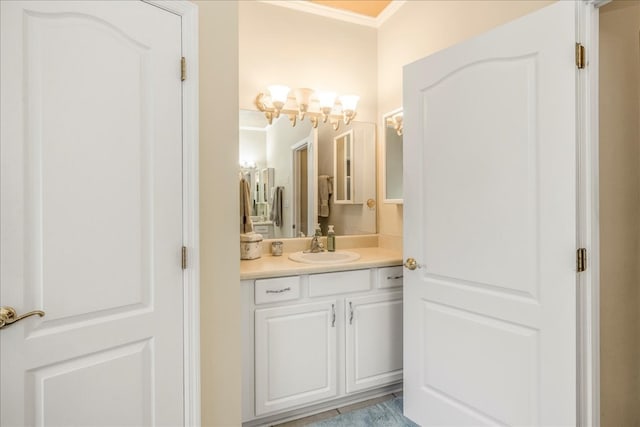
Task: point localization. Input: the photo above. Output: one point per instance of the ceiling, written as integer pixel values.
(371, 8)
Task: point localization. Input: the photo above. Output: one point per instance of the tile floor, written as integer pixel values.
(332, 413)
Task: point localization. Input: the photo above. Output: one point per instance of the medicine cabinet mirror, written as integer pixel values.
(392, 157)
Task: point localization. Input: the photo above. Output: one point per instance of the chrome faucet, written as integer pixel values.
(316, 245)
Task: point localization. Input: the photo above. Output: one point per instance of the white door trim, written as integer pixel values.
(190, 206)
(588, 321)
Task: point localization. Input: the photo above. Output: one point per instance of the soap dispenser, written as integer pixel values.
(331, 239)
(318, 230)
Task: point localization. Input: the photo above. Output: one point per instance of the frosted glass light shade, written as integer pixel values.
(326, 99)
(303, 98)
(279, 94)
(349, 102)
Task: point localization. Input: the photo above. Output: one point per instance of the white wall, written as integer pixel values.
(253, 147)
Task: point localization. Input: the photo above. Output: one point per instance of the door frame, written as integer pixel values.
(188, 13)
(296, 219)
(311, 143)
(588, 282)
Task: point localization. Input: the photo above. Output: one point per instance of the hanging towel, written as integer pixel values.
(246, 226)
(276, 207)
(325, 189)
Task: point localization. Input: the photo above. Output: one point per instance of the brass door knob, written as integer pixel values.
(8, 315)
(411, 264)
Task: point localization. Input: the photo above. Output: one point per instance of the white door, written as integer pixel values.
(490, 217)
(91, 214)
(373, 340)
(295, 355)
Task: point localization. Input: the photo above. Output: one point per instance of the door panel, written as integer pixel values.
(56, 397)
(471, 159)
(490, 152)
(91, 149)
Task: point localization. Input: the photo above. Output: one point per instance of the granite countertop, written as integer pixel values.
(279, 266)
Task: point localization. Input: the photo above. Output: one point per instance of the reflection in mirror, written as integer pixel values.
(343, 153)
(291, 171)
(392, 158)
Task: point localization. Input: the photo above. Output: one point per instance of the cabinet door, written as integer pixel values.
(295, 355)
(373, 341)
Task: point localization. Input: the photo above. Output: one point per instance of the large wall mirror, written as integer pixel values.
(294, 174)
(392, 157)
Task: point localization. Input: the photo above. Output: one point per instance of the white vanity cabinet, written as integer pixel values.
(373, 340)
(319, 339)
(295, 347)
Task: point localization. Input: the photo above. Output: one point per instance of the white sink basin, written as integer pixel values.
(337, 257)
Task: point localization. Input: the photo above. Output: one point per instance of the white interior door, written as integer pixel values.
(490, 217)
(91, 223)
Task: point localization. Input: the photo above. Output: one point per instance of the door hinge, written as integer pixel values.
(183, 69)
(581, 260)
(580, 57)
(184, 257)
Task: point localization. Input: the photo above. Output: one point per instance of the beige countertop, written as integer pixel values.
(278, 266)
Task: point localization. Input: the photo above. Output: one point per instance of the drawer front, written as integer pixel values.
(279, 289)
(265, 230)
(339, 283)
(390, 277)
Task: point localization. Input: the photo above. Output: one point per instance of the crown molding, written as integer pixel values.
(341, 15)
(388, 11)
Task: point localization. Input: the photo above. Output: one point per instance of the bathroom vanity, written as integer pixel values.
(319, 336)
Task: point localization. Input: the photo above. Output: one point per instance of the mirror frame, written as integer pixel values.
(349, 184)
(383, 159)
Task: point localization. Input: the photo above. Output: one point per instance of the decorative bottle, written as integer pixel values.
(331, 239)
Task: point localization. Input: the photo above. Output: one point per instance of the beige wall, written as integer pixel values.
(620, 213)
(418, 29)
(284, 46)
(219, 247)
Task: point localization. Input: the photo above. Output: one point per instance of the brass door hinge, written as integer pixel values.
(581, 260)
(580, 56)
(183, 69)
(184, 257)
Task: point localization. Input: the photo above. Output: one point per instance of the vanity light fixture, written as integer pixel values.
(318, 106)
(395, 122)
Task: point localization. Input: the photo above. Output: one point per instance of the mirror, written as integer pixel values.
(300, 176)
(342, 170)
(392, 157)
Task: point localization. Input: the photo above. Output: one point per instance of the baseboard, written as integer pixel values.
(307, 411)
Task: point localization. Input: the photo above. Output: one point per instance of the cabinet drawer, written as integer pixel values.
(279, 289)
(339, 283)
(390, 277)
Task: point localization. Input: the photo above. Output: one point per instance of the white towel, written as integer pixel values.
(246, 226)
(325, 189)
